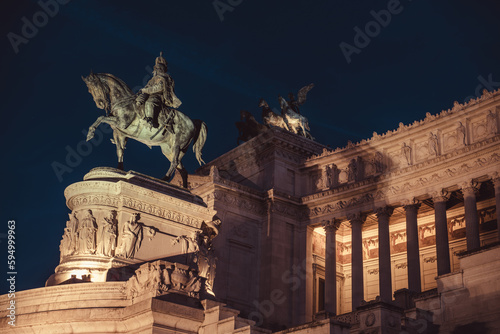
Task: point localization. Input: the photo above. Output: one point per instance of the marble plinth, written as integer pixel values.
(120, 220)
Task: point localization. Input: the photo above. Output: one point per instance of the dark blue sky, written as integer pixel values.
(430, 54)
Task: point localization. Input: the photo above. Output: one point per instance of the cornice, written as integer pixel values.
(463, 109)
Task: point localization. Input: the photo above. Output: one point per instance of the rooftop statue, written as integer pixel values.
(297, 123)
(150, 117)
(301, 98)
(290, 119)
(271, 118)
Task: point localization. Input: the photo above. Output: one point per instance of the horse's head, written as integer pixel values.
(98, 90)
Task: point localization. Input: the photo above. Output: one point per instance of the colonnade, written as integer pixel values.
(356, 220)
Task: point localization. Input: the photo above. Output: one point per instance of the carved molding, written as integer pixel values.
(394, 190)
(403, 265)
(158, 277)
(107, 193)
(339, 205)
(431, 259)
(161, 212)
(457, 107)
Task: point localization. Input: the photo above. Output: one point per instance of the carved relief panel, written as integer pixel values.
(455, 138)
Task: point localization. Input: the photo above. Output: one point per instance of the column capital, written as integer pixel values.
(331, 225)
(414, 203)
(357, 217)
(384, 211)
(469, 188)
(495, 178)
(440, 196)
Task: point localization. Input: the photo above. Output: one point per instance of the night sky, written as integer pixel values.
(422, 58)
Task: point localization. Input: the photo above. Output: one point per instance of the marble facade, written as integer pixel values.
(399, 207)
(393, 234)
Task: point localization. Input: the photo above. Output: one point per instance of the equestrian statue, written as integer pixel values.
(150, 117)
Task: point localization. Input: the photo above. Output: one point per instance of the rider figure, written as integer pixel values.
(293, 104)
(159, 94)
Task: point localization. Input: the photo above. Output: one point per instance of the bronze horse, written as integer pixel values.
(112, 94)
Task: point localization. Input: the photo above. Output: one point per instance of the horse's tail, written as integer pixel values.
(199, 139)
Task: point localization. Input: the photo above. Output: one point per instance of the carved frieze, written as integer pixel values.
(156, 278)
(491, 123)
(370, 248)
(479, 130)
(393, 190)
(430, 259)
(426, 231)
(401, 265)
(131, 236)
(398, 237)
(88, 235)
(107, 233)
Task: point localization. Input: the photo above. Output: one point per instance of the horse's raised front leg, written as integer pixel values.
(94, 126)
(111, 120)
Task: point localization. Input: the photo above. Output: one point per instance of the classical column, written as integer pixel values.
(495, 178)
(441, 222)
(412, 247)
(357, 221)
(469, 190)
(331, 227)
(384, 253)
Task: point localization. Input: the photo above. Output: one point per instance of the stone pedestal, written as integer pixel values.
(379, 317)
(120, 220)
(136, 257)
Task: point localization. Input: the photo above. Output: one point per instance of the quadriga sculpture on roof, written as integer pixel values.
(290, 118)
